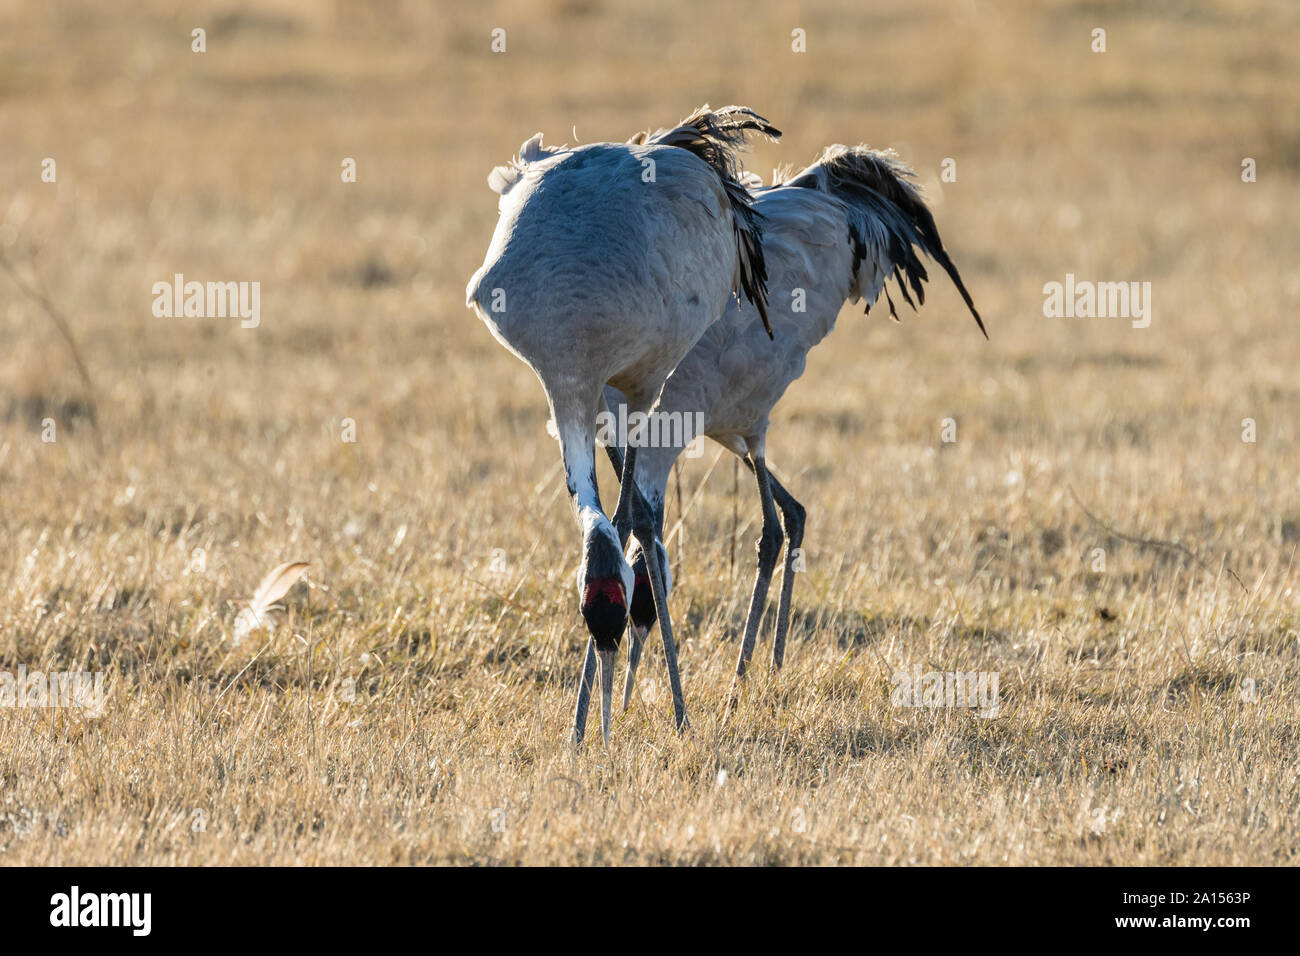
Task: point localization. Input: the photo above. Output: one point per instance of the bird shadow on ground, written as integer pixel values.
(859, 629)
(847, 628)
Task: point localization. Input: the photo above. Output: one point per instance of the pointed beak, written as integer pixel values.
(606, 661)
(633, 658)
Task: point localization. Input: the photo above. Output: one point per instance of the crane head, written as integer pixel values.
(604, 608)
(641, 614)
(604, 586)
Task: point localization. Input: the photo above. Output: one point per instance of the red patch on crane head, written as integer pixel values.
(604, 590)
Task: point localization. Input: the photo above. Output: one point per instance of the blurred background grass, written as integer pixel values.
(225, 165)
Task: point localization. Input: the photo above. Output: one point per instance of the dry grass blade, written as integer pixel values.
(61, 324)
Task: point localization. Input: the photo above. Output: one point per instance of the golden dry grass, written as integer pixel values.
(411, 704)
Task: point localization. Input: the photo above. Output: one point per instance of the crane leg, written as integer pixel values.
(634, 515)
(633, 662)
(644, 527)
(793, 515)
(584, 693)
(628, 498)
(616, 459)
(769, 548)
(665, 629)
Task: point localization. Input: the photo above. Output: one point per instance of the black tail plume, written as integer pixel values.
(886, 210)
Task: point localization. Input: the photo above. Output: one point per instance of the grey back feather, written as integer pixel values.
(715, 136)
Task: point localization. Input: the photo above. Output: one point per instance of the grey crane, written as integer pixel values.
(608, 262)
(836, 230)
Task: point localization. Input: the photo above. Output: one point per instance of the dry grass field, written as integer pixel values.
(411, 700)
